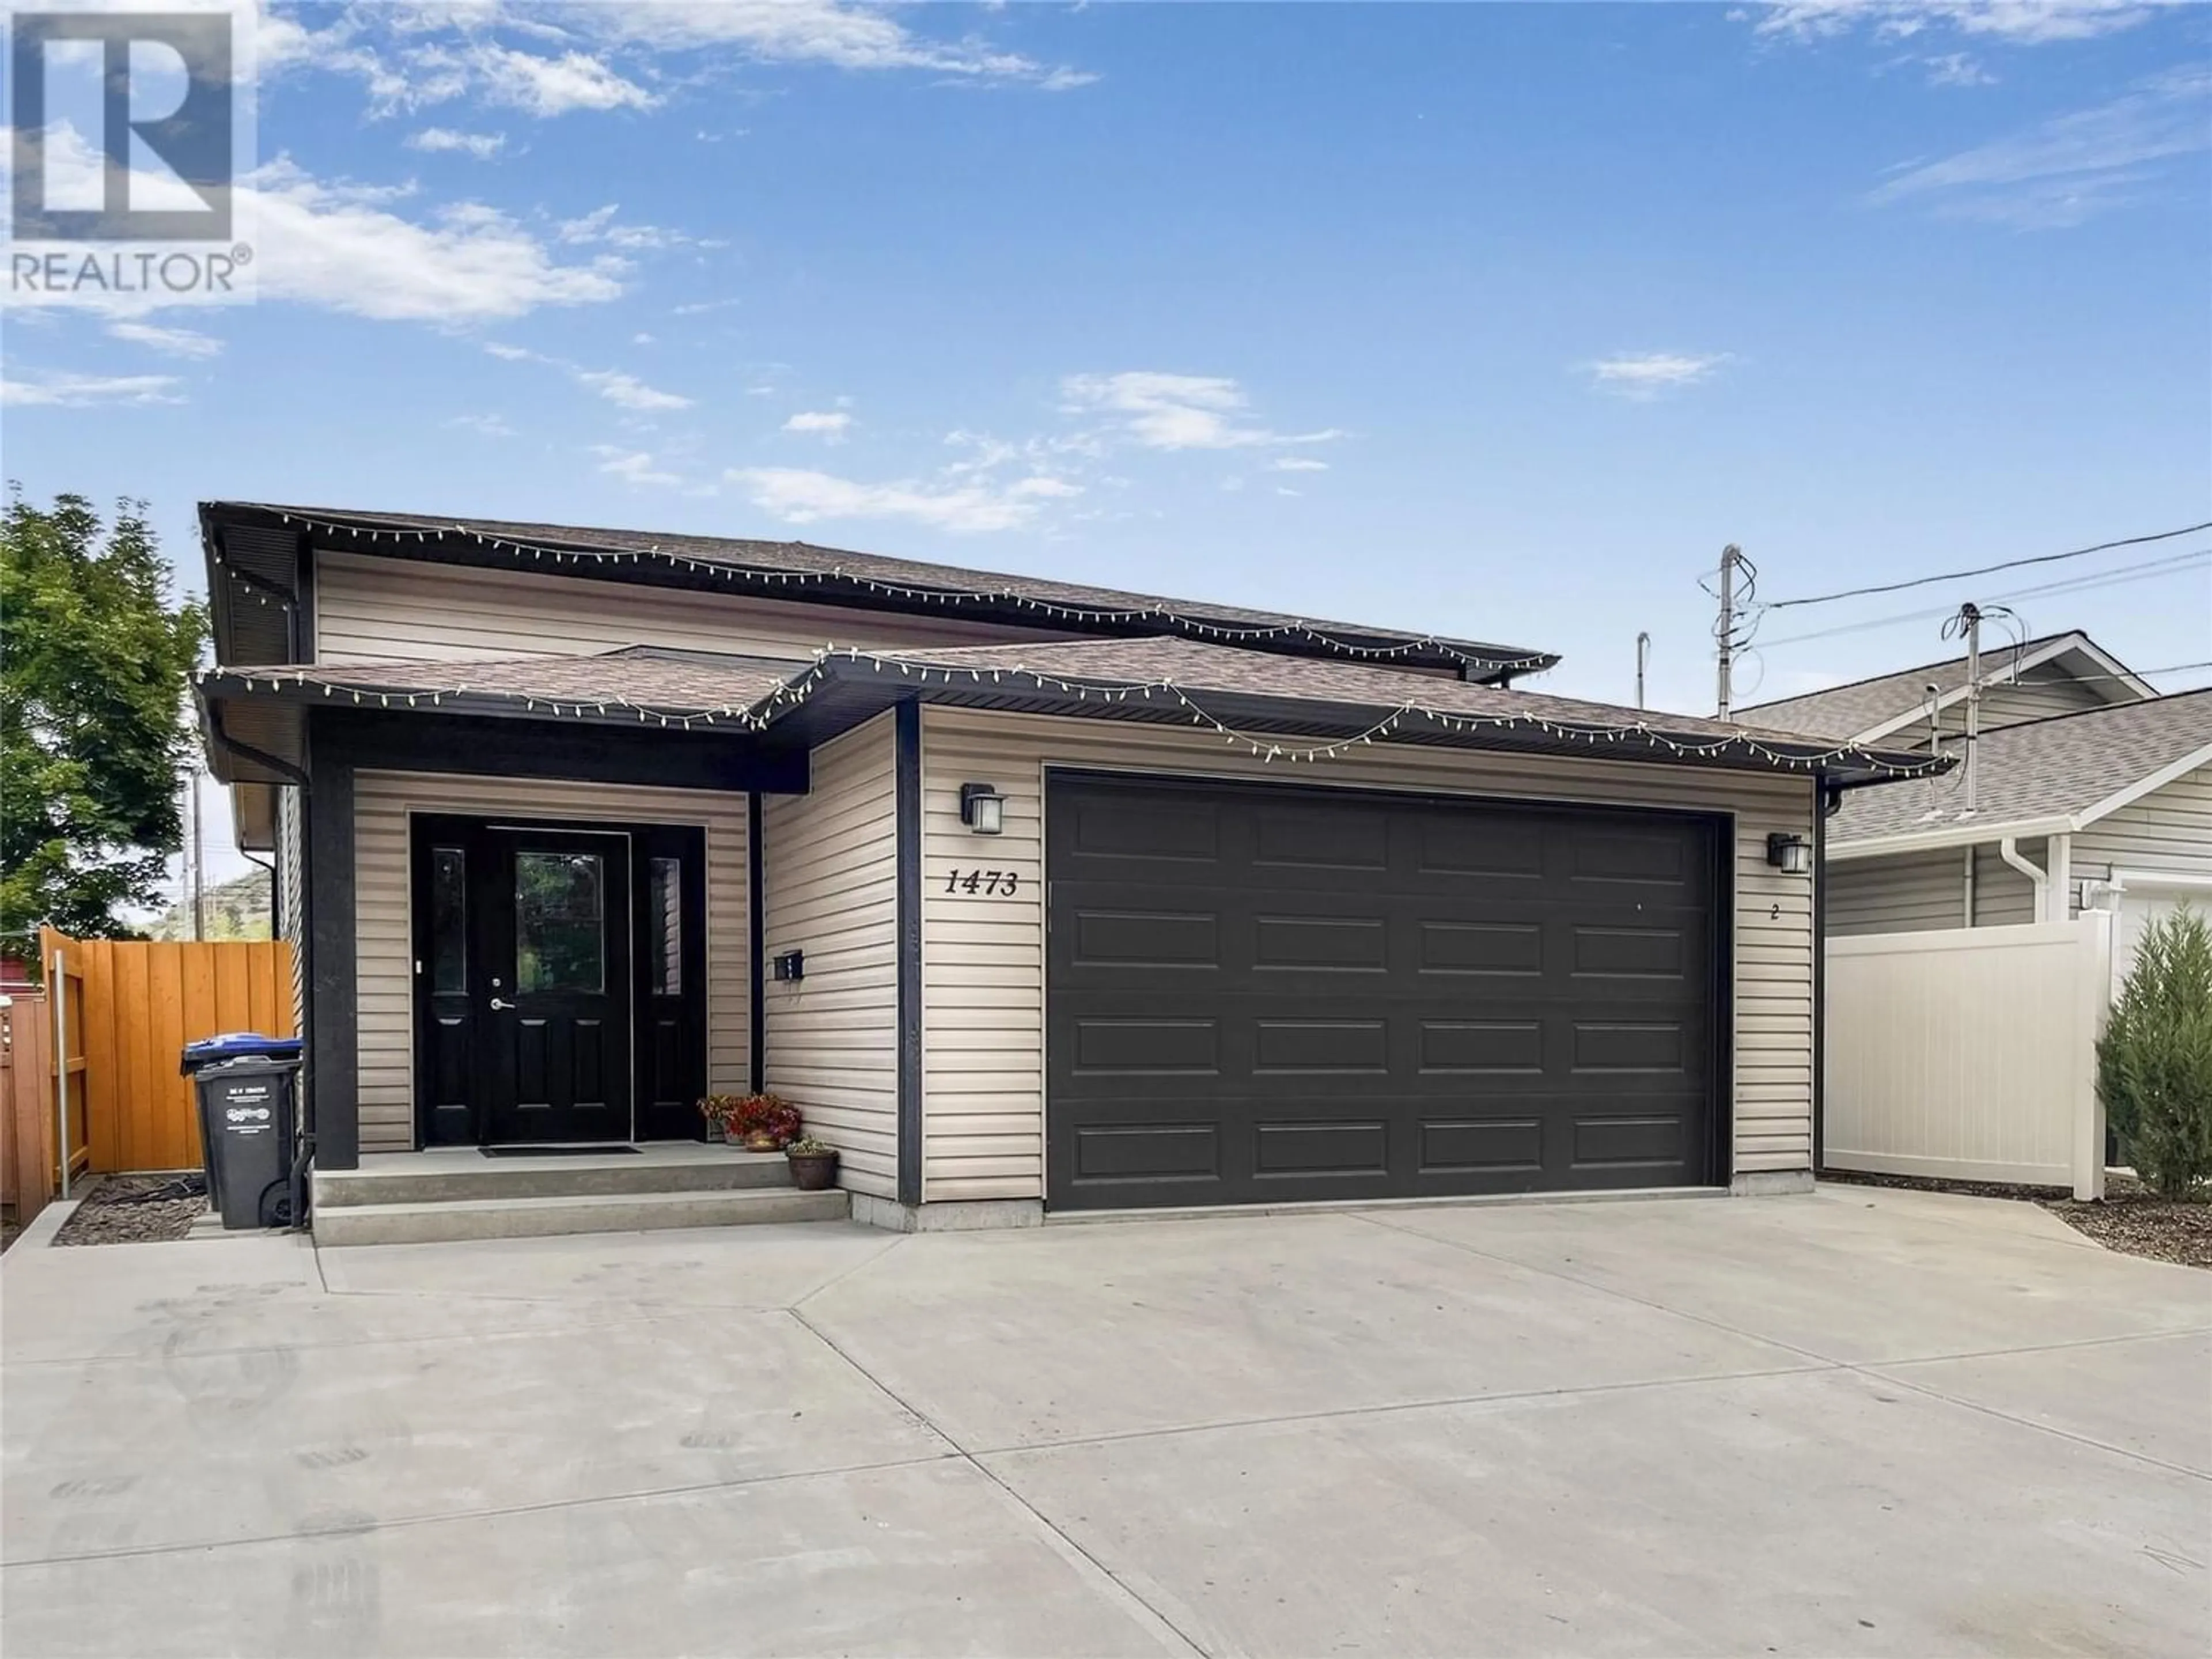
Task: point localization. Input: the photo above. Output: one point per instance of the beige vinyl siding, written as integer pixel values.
(2002, 897)
(1921, 892)
(829, 888)
(1910, 894)
(382, 803)
(384, 610)
(983, 958)
(2168, 831)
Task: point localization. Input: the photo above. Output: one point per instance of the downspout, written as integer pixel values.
(2008, 850)
(1969, 888)
(2059, 857)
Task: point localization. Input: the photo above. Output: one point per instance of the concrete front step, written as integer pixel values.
(587, 1212)
(463, 1175)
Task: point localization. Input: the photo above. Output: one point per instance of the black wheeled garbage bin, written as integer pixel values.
(245, 1084)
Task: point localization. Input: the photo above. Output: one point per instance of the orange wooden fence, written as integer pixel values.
(141, 1002)
(26, 1118)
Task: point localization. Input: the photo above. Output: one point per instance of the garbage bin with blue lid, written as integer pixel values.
(246, 1083)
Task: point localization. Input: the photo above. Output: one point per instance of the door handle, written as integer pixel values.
(497, 1002)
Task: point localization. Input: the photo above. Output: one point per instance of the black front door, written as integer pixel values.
(525, 996)
(556, 929)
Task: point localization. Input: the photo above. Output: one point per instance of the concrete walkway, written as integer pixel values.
(1858, 1423)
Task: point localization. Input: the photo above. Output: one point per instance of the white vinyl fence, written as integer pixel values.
(1970, 1054)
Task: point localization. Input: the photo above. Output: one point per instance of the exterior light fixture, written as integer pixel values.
(982, 808)
(1790, 854)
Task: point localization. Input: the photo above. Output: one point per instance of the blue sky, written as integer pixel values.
(1495, 320)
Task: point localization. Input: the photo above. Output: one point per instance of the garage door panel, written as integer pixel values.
(1363, 996)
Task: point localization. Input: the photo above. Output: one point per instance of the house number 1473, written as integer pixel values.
(1004, 882)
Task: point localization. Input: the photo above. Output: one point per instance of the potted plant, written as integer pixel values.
(813, 1164)
(761, 1123)
(714, 1112)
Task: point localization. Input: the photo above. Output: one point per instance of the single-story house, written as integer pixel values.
(2089, 792)
(1032, 896)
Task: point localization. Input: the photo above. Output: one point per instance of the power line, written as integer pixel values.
(2120, 577)
(1987, 569)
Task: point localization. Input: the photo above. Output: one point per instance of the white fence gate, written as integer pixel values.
(1970, 1054)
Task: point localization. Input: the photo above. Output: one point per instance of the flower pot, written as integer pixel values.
(761, 1140)
(813, 1172)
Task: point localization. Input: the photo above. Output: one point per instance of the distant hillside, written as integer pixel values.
(238, 908)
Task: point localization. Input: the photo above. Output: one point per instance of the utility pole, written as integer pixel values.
(1970, 618)
(1642, 657)
(1726, 632)
(193, 818)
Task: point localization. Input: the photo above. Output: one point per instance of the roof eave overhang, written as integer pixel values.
(1493, 664)
(855, 690)
(2009, 674)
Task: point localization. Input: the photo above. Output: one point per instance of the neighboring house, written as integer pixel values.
(1030, 895)
(2090, 792)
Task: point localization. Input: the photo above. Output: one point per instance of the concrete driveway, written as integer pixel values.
(1857, 1423)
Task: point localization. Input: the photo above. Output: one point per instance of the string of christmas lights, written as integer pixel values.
(759, 714)
(1058, 609)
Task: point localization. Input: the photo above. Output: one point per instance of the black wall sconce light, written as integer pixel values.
(982, 809)
(1790, 854)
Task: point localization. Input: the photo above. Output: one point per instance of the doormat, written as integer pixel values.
(562, 1151)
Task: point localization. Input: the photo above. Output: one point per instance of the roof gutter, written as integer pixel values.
(1951, 835)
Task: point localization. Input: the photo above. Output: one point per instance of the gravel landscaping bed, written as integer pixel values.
(2132, 1219)
(136, 1209)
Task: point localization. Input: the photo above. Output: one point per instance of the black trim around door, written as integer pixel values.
(653, 907)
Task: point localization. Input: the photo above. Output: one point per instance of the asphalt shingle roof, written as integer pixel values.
(2043, 769)
(1845, 711)
(657, 681)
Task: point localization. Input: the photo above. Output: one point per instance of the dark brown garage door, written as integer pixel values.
(1265, 994)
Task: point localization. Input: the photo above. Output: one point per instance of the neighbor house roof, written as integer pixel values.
(1157, 681)
(2044, 777)
(259, 546)
(1871, 709)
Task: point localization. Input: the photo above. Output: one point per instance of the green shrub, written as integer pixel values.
(2154, 1060)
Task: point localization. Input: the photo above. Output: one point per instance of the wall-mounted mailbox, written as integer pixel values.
(789, 964)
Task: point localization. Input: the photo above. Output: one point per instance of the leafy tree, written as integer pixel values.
(2154, 1060)
(93, 725)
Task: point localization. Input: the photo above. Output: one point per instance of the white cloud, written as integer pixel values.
(831, 426)
(2068, 168)
(1296, 464)
(603, 56)
(627, 391)
(826, 31)
(553, 86)
(510, 354)
(484, 426)
(482, 145)
(172, 342)
(1176, 411)
(1645, 375)
(633, 466)
(2017, 22)
(599, 226)
(334, 244)
(800, 496)
(63, 390)
(1956, 68)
